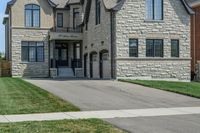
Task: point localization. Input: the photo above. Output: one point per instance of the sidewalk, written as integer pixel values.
(107, 114)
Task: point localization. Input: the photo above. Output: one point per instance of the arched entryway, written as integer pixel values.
(92, 59)
(103, 64)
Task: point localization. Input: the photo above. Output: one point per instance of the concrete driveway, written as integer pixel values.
(91, 95)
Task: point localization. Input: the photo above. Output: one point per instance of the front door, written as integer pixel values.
(91, 66)
(85, 64)
(101, 65)
(62, 55)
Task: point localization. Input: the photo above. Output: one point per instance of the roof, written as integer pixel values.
(193, 2)
(113, 4)
(64, 3)
(187, 7)
(59, 3)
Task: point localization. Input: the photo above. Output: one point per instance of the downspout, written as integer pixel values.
(194, 40)
(113, 48)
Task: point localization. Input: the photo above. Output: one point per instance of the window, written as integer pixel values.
(32, 15)
(60, 20)
(86, 26)
(98, 12)
(76, 20)
(154, 9)
(77, 51)
(154, 48)
(133, 47)
(174, 48)
(32, 52)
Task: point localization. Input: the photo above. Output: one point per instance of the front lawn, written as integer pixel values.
(189, 89)
(65, 126)
(20, 97)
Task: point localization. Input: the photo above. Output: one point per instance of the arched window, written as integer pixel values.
(32, 15)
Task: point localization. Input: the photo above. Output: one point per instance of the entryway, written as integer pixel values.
(66, 60)
(103, 63)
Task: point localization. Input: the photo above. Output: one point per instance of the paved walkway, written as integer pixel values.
(134, 113)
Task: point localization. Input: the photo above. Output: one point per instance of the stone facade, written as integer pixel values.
(131, 23)
(28, 69)
(21, 33)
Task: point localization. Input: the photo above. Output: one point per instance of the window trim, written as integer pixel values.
(178, 48)
(137, 47)
(153, 12)
(36, 59)
(32, 21)
(60, 26)
(154, 48)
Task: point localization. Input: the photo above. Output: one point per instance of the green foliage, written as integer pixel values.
(65, 126)
(2, 55)
(186, 88)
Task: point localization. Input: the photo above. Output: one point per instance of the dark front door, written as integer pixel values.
(91, 66)
(101, 65)
(62, 55)
(85, 65)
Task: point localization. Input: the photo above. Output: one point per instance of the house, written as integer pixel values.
(136, 39)
(195, 38)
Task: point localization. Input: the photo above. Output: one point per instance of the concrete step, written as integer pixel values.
(65, 72)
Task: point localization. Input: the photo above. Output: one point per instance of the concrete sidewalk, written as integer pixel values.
(108, 114)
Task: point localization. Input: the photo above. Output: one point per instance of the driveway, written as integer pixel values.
(92, 95)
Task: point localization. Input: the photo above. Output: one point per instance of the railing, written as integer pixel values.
(67, 29)
(58, 63)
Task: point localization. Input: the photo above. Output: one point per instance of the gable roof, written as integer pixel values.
(59, 3)
(64, 3)
(113, 4)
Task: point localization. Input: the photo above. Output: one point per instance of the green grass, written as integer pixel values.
(20, 97)
(65, 126)
(186, 88)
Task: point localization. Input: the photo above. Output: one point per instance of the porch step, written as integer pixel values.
(65, 72)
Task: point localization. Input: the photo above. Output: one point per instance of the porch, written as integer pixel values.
(66, 59)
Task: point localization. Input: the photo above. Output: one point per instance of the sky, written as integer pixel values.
(2, 28)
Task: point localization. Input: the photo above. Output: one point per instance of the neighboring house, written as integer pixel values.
(137, 39)
(195, 38)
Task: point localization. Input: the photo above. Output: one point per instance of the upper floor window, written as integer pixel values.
(60, 20)
(154, 9)
(76, 17)
(32, 15)
(98, 12)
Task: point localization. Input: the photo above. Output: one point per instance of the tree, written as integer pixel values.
(1, 55)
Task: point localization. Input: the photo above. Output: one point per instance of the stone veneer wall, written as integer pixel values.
(28, 69)
(131, 23)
